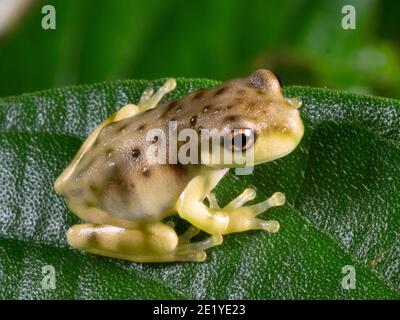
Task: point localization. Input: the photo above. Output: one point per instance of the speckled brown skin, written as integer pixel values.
(126, 189)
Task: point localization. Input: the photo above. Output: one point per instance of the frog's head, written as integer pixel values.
(262, 124)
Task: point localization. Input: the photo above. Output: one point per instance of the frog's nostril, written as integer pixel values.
(294, 102)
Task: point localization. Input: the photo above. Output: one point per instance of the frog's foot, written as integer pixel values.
(191, 232)
(234, 217)
(196, 249)
(242, 218)
(212, 200)
(156, 242)
(149, 99)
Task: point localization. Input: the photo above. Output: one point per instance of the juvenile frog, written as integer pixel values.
(123, 197)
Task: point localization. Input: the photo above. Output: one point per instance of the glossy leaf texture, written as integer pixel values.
(342, 184)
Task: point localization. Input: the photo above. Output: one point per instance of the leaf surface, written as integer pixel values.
(342, 184)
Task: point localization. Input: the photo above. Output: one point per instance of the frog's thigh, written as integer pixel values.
(156, 242)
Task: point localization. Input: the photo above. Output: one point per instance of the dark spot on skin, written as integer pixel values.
(193, 120)
(109, 151)
(146, 172)
(207, 108)
(89, 204)
(122, 128)
(94, 189)
(135, 153)
(141, 127)
(220, 91)
(198, 95)
(92, 237)
(172, 104)
(230, 118)
(229, 107)
(164, 113)
(119, 184)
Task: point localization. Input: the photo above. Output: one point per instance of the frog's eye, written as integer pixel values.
(241, 139)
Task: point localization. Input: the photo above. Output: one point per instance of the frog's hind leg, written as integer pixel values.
(156, 242)
(190, 248)
(150, 100)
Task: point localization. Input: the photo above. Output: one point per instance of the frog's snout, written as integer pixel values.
(296, 127)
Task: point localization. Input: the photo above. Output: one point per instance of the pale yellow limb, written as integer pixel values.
(190, 204)
(212, 200)
(150, 100)
(243, 218)
(156, 242)
(234, 217)
(191, 232)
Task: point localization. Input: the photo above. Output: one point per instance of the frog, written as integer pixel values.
(125, 200)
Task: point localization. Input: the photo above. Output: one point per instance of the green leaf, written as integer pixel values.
(342, 185)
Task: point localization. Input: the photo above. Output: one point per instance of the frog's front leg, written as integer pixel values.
(234, 217)
(156, 242)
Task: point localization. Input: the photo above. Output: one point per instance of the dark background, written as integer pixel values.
(301, 40)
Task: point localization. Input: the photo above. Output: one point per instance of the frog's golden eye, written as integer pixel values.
(241, 139)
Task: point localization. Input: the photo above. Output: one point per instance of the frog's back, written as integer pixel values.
(115, 176)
